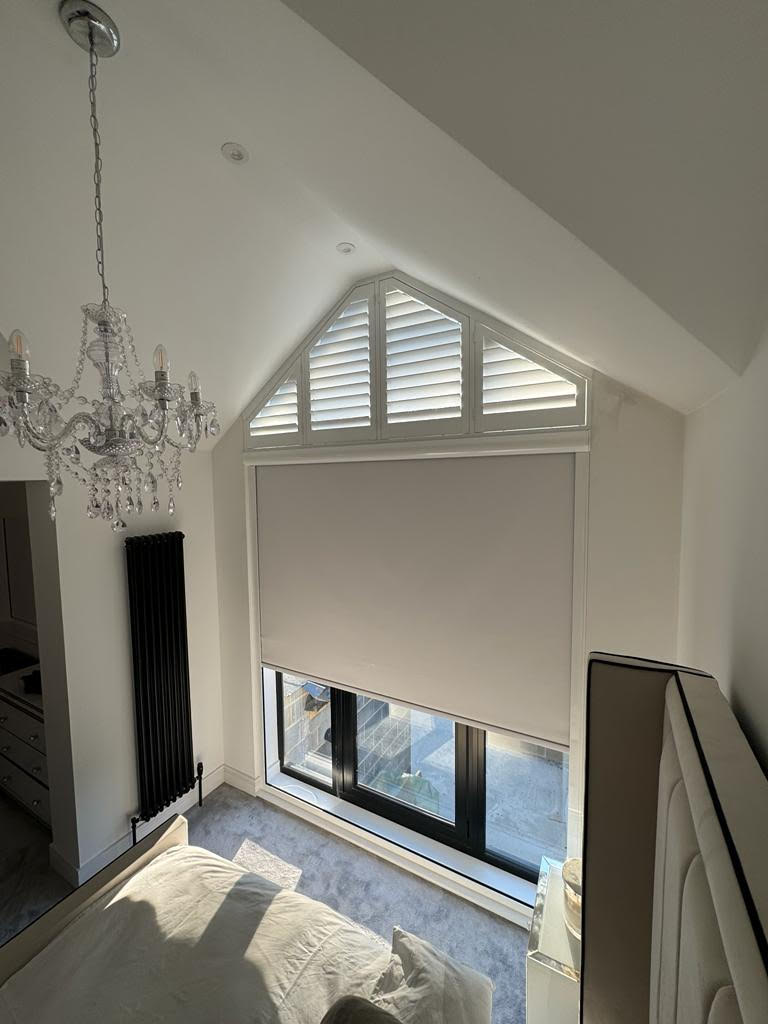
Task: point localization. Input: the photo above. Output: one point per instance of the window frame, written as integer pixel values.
(466, 834)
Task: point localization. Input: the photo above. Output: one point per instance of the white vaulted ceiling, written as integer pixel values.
(638, 124)
(229, 265)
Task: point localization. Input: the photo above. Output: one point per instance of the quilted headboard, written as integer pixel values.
(675, 902)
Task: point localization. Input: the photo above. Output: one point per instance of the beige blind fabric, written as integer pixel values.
(446, 583)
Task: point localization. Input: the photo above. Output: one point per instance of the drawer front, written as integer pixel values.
(22, 725)
(31, 760)
(32, 794)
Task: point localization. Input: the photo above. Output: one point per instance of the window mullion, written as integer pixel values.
(476, 790)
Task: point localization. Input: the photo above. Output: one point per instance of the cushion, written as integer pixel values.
(353, 1010)
(421, 985)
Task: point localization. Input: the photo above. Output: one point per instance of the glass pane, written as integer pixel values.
(408, 756)
(526, 802)
(307, 727)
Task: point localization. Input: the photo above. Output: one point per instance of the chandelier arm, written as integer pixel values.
(129, 420)
(47, 443)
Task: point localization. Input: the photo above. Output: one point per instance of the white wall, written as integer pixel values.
(96, 632)
(635, 499)
(724, 567)
(240, 718)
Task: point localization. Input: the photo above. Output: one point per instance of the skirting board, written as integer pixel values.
(241, 780)
(77, 874)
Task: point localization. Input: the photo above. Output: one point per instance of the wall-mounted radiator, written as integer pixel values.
(165, 759)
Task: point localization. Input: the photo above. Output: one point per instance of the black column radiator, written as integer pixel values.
(157, 598)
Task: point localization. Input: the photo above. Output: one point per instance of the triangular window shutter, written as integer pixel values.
(339, 370)
(423, 362)
(278, 417)
(516, 390)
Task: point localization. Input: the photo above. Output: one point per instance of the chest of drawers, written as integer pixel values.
(23, 764)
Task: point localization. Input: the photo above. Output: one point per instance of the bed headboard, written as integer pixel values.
(675, 900)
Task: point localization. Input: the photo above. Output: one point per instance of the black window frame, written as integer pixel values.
(466, 833)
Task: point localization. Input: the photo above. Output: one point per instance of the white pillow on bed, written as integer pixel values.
(421, 985)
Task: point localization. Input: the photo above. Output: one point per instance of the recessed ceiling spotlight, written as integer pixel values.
(234, 152)
(346, 248)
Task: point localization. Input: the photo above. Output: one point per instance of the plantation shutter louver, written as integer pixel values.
(340, 371)
(512, 383)
(423, 356)
(279, 414)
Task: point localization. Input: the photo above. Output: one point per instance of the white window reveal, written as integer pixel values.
(396, 360)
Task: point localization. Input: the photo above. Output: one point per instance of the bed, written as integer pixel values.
(675, 885)
(171, 932)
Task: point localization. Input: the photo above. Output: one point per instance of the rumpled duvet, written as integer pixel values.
(194, 938)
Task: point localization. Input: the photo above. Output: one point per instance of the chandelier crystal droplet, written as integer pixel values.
(121, 445)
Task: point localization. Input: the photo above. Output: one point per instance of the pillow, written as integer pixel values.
(353, 1010)
(421, 985)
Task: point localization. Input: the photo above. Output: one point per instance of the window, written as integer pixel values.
(395, 359)
(307, 732)
(340, 372)
(280, 413)
(423, 356)
(495, 796)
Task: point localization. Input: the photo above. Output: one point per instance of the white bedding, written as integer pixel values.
(195, 938)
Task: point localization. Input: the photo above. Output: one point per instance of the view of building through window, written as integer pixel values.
(408, 757)
(307, 733)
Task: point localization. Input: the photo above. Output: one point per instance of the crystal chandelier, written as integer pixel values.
(123, 444)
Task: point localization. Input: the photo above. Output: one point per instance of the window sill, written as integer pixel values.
(492, 888)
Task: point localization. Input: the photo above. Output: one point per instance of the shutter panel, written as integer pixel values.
(280, 414)
(340, 371)
(512, 383)
(423, 361)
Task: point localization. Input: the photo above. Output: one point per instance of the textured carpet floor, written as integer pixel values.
(365, 888)
(28, 886)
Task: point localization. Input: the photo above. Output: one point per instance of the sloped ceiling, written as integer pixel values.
(638, 125)
(229, 265)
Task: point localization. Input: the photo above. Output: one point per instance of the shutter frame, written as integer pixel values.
(433, 426)
(343, 435)
(288, 438)
(486, 422)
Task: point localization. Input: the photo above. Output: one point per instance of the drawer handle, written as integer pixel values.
(37, 769)
(34, 737)
(6, 779)
(35, 803)
(5, 749)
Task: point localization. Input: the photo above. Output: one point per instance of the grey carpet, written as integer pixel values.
(363, 887)
(28, 886)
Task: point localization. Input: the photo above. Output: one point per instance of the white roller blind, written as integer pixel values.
(423, 356)
(446, 583)
(340, 372)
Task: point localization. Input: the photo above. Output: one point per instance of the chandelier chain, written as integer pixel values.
(98, 213)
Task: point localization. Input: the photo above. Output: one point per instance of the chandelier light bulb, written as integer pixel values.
(17, 345)
(194, 383)
(160, 359)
